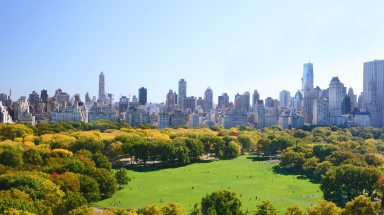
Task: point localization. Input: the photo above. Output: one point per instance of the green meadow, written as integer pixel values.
(254, 181)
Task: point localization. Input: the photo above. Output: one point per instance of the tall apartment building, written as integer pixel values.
(306, 89)
(374, 74)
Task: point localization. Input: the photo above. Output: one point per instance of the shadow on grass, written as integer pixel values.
(159, 166)
(283, 171)
(258, 158)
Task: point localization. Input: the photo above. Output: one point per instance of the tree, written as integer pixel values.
(266, 208)
(173, 209)
(32, 156)
(106, 181)
(74, 200)
(294, 210)
(101, 161)
(321, 151)
(196, 148)
(89, 188)
(84, 210)
(345, 182)
(362, 205)
(292, 160)
(310, 165)
(324, 208)
(122, 177)
(223, 202)
(150, 210)
(321, 169)
(11, 157)
(232, 149)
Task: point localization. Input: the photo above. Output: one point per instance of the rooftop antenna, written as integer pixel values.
(309, 59)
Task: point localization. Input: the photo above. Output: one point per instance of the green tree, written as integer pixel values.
(89, 188)
(74, 200)
(196, 148)
(232, 149)
(345, 182)
(266, 208)
(11, 157)
(362, 205)
(106, 181)
(294, 210)
(32, 156)
(101, 161)
(223, 202)
(173, 209)
(122, 177)
(292, 160)
(83, 210)
(324, 208)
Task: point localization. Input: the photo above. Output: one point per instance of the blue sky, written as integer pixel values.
(231, 46)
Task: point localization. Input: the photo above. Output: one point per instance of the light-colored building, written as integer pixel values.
(208, 100)
(321, 111)
(234, 119)
(4, 115)
(374, 70)
(182, 92)
(336, 93)
(307, 87)
(285, 99)
(102, 112)
(70, 114)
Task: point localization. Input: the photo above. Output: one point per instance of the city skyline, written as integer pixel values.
(230, 47)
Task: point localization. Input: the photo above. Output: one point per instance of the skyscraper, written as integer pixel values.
(44, 96)
(307, 87)
(297, 102)
(87, 98)
(223, 100)
(102, 97)
(143, 96)
(285, 99)
(170, 102)
(336, 94)
(182, 92)
(246, 101)
(255, 98)
(208, 99)
(374, 70)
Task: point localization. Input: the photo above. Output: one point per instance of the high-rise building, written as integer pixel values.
(223, 101)
(102, 96)
(34, 98)
(297, 102)
(255, 98)
(321, 111)
(87, 98)
(190, 103)
(307, 87)
(44, 96)
(353, 98)
(336, 94)
(123, 104)
(143, 96)
(285, 99)
(374, 70)
(269, 102)
(208, 99)
(182, 92)
(170, 101)
(246, 101)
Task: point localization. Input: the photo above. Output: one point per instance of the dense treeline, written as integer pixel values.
(58, 168)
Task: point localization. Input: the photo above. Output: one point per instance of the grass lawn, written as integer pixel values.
(254, 181)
